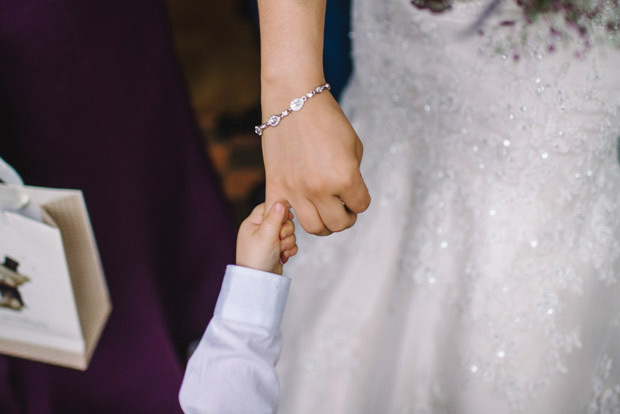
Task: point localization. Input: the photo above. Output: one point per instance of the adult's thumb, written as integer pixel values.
(272, 223)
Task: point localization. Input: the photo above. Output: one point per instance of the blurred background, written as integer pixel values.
(218, 47)
(90, 98)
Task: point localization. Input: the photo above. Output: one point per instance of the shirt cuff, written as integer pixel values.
(252, 296)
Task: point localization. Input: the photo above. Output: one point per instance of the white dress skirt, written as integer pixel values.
(484, 277)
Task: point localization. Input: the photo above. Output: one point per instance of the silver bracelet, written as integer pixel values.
(296, 105)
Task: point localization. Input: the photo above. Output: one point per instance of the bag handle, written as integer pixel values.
(12, 195)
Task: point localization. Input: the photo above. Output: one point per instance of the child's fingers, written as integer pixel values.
(288, 228)
(290, 252)
(288, 243)
(287, 254)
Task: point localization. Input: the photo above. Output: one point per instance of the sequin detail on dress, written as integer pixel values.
(484, 276)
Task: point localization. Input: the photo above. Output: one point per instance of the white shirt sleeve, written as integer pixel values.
(233, 368)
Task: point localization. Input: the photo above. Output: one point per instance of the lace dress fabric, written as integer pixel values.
(484, 276)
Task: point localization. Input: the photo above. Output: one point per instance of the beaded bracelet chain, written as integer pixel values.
(296, 105)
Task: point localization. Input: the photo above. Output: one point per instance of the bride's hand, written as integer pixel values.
(312, 160)
(312, 157)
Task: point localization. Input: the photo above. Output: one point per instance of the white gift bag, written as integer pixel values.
(54, 301)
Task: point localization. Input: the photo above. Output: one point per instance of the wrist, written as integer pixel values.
(279, 89)
(291, 36)
(296, 105)
(261, 262)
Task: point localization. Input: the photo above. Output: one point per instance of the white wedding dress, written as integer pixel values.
(485, 276)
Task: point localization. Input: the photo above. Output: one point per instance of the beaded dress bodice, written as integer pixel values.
(484, 277)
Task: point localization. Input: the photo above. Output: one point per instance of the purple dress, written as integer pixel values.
(92, 97)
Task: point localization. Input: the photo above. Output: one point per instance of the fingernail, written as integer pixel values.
(279, 207)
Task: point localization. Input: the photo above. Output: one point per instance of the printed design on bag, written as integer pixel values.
(10, 281)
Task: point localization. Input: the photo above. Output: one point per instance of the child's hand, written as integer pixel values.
(265, 242)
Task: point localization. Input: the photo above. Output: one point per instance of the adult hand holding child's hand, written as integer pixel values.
(312, 160)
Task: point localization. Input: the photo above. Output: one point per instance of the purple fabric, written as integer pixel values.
(91, 97)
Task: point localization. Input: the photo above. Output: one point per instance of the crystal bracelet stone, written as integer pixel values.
(296, 105)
